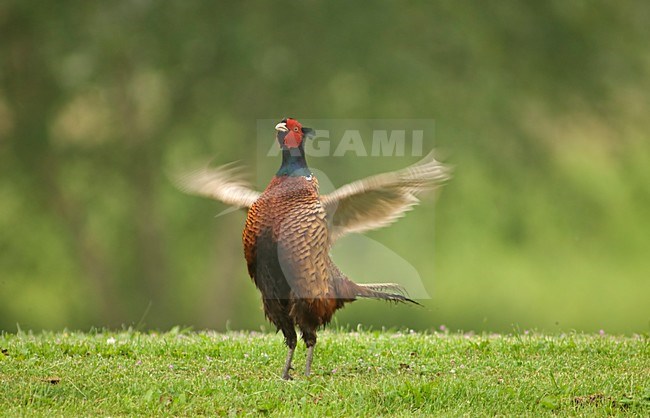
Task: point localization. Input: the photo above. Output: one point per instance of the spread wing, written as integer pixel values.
(224, 183)
(379, 200)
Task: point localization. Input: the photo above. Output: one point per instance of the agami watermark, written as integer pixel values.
(360, 138)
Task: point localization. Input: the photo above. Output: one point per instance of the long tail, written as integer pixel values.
(386, 291)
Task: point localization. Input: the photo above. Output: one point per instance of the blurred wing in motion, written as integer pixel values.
(224, 183)
(380, 200)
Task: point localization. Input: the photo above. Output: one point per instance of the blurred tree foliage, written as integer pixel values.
(541, 106)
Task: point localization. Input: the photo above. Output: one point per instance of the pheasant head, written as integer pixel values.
(290, 136)
(291, 133)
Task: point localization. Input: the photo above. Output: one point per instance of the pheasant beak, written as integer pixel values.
(282, 127)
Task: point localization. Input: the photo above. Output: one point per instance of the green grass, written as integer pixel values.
(355, 373)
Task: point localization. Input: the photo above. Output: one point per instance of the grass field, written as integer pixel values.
(355, 373)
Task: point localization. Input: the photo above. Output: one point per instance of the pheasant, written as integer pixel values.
(290, 228)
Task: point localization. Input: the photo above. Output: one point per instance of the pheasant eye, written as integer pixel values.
(295, 128)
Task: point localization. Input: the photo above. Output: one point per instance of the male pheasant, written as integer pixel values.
(290, 228)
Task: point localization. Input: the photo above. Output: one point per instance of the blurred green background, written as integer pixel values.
(542, 108)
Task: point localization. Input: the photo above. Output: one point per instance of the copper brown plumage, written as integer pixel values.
(290, 228)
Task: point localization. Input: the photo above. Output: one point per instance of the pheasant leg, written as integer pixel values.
(310, 357)
(287, 364)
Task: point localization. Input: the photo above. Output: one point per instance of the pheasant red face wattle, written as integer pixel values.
(290, 133)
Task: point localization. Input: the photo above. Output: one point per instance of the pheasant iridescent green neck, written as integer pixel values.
(293, 163)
